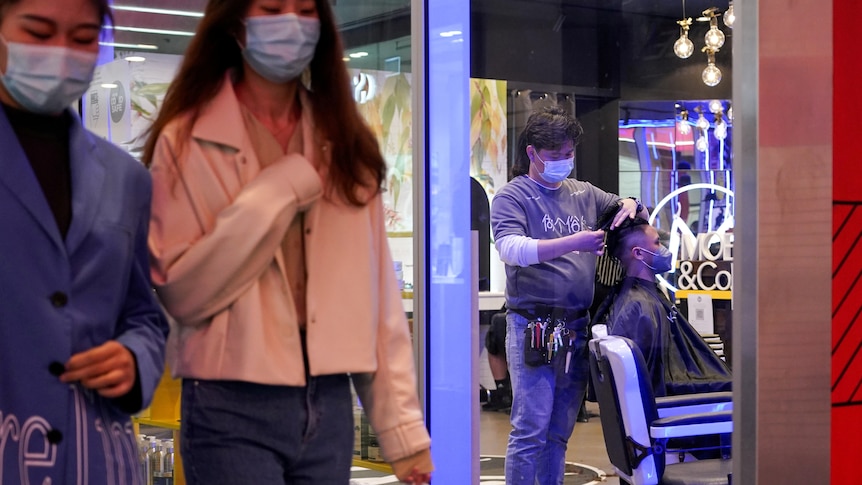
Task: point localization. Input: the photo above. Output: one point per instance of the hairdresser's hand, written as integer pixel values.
(414, 469)
(588, 241)
(108, 369)
(628, 210)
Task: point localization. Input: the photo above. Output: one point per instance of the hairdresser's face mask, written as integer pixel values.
(46, 79)
(280, 47)
(661, 261)
(556, 170)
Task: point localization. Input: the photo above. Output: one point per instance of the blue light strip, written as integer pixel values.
(452, 340)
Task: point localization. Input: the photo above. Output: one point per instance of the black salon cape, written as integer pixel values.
(677, 357)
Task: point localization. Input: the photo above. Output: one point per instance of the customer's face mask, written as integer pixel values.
(46, 79)
(556, 170)
(280, 47)
(661, 261)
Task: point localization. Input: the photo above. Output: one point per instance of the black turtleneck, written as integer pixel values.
(45, 139)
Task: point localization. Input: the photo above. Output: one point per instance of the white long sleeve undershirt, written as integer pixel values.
(518, 250)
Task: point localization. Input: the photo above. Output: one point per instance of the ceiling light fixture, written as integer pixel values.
(143, 30)
(358, 55)
(129, 46)
(713, 39)
(135, 58)
(158, 11)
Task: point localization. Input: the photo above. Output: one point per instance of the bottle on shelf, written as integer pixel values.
(165, 473)
(153, 460)
(143, 445)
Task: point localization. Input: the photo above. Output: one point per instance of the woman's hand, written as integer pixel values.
(108, 369)
(414, 469)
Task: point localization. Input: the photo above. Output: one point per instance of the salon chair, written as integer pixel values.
(637, 428)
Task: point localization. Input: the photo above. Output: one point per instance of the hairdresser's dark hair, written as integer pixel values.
(356, 160)
(547, 129)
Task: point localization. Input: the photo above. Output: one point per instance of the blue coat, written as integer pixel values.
(60, 297)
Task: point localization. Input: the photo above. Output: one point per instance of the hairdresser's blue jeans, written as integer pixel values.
(239, 433)
(545, 404)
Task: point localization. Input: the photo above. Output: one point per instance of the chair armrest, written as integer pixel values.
(706, 402)
(599, 330)
(692, 425)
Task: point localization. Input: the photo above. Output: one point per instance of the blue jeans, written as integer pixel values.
(545, 404)
(238, 433)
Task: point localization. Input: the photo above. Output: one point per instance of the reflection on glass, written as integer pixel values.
(658, 157)
(682, 171)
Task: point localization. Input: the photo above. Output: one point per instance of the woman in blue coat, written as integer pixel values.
(81, 335)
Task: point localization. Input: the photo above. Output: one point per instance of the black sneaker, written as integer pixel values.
(499, 400)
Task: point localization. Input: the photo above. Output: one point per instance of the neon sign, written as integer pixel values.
(705, 261)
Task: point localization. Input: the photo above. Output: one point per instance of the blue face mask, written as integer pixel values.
(280, 47)
(556, 170)
(46, 79)
(661, 261)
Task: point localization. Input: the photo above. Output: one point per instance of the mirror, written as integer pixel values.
(677, 157)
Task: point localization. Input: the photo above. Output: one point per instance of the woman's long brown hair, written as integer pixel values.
(356, 160)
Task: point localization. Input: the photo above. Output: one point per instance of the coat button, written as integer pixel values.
(59, 299)
(56, 368)
(54, 436)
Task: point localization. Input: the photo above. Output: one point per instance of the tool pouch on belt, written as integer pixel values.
(544, 341)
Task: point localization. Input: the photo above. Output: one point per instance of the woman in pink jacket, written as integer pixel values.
(269, 251)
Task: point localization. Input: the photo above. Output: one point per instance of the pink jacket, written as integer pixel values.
(218, 220)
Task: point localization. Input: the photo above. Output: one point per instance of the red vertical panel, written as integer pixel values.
(846, 250)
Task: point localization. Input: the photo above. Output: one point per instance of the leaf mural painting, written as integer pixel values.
(385, 102)
(488, 138)
(386, 105)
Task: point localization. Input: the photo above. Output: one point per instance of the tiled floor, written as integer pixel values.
(586, 445)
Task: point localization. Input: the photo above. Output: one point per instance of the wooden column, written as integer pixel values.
(782, 102)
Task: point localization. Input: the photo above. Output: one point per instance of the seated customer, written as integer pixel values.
(678, 358)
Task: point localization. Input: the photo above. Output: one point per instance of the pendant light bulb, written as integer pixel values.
(682, 125)
(729, 16)
(711, 75)
(683, 47)
(714, 38)
(715, 106)
(702, 144)
(720, 130)
(702, 123)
